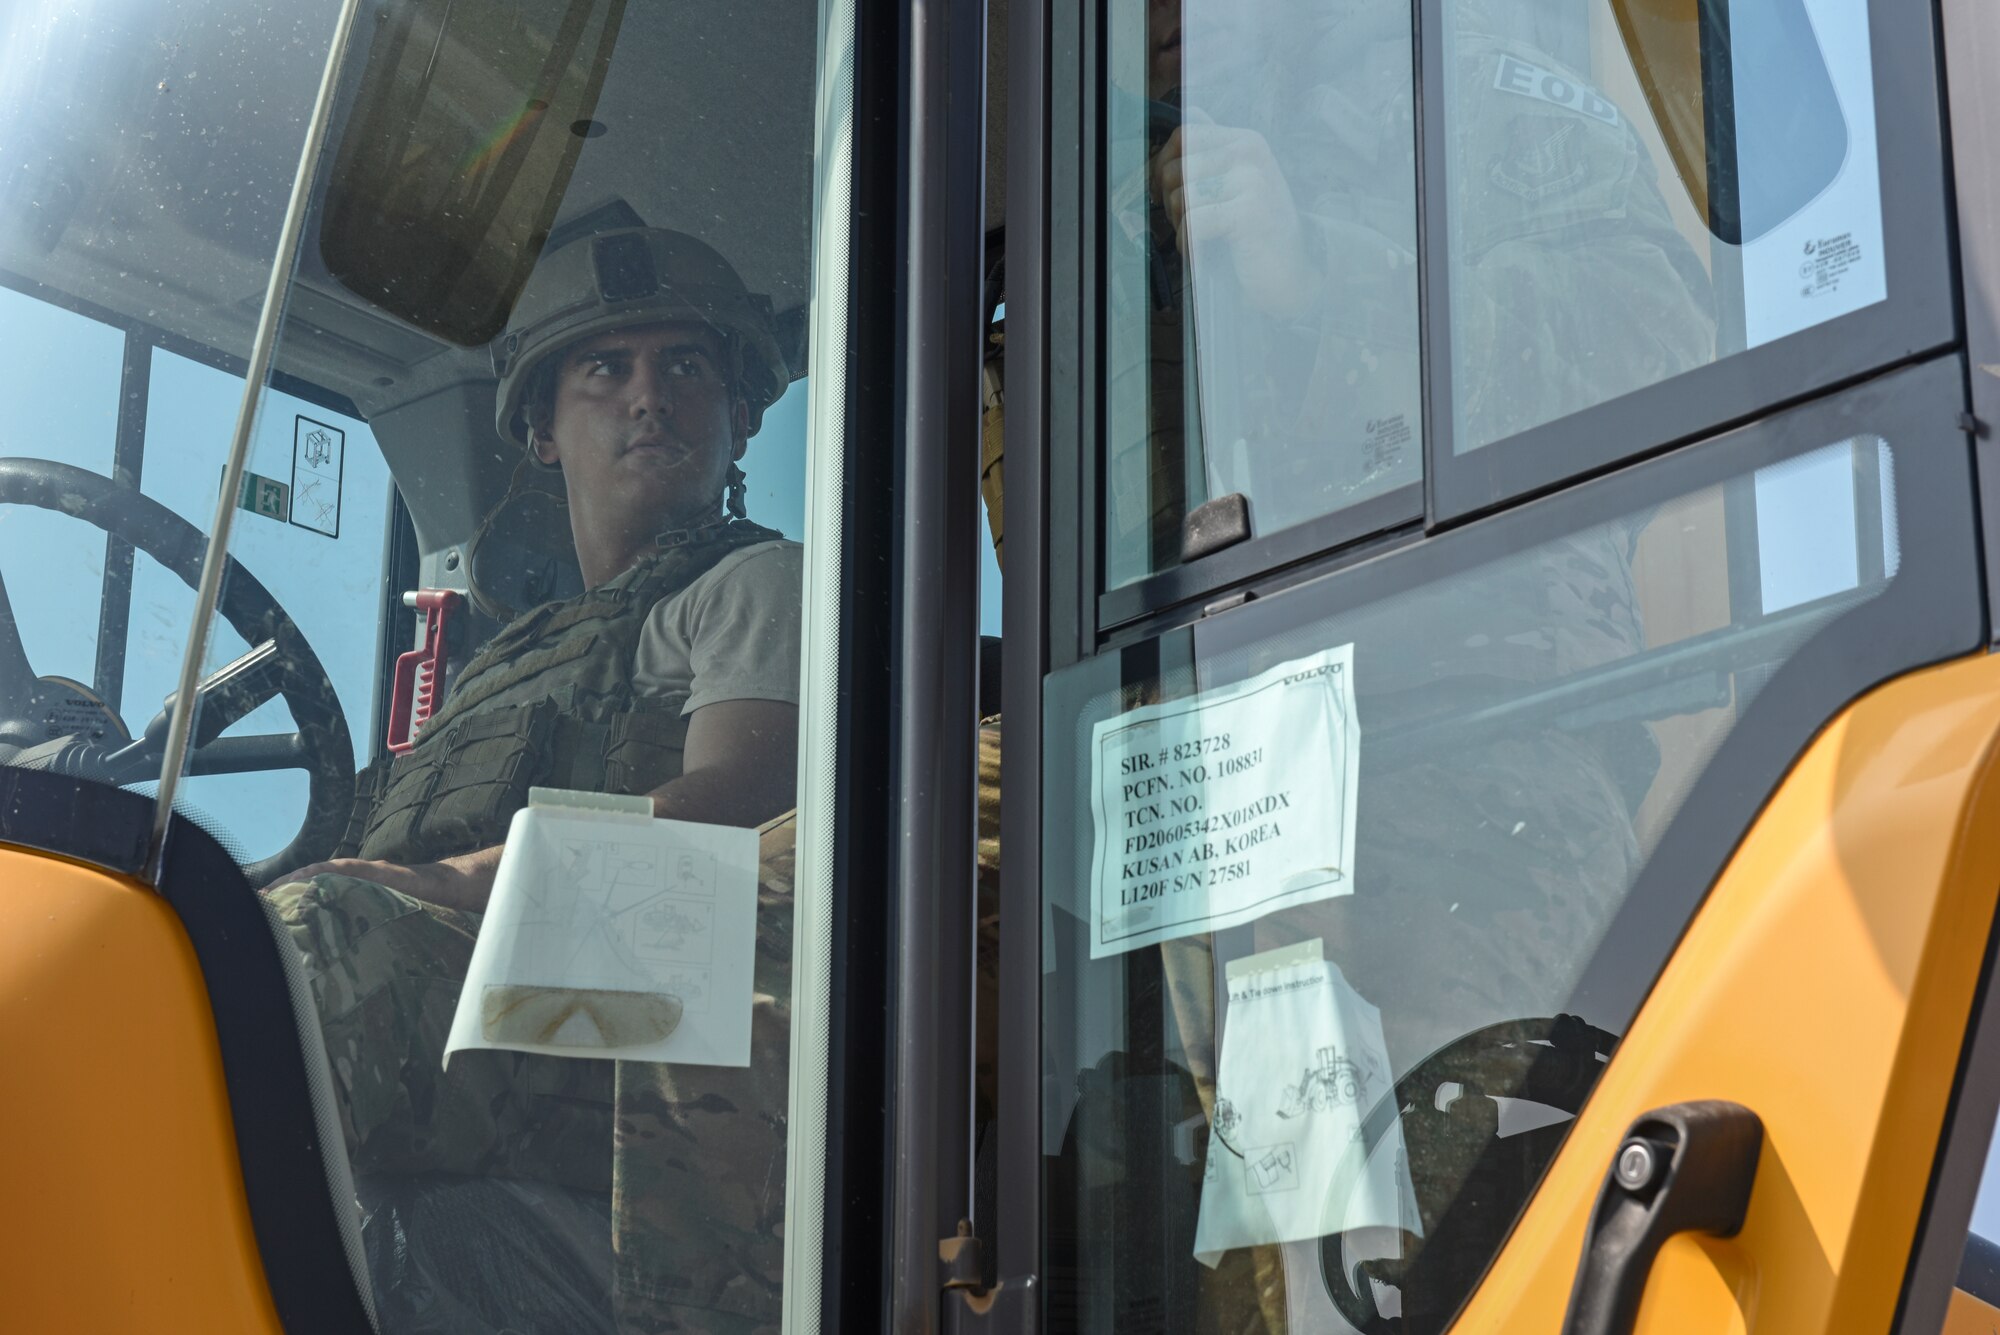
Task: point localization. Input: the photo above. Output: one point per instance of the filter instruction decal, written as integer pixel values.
(1827, 258)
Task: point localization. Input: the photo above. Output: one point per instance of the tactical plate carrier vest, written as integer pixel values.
(548, 701)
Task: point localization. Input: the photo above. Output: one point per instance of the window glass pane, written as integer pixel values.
(1260, 266)
(1637, 189)
(570, 870)
(1986, 1207)
(1976, 1300)
(1323, 878)
(146, 147)
(316, 546)
(62, 386)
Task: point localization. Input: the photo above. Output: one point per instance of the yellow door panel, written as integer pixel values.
(1969, 1316)
(1826, 984)
(124, 1206)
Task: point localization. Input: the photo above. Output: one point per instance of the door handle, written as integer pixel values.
(1687, 1166)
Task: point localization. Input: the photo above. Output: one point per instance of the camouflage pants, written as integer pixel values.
(698, 1208)
(694, 1158)
(385, 971)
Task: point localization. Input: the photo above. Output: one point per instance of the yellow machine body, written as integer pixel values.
(125, 1208)
(1826, 983)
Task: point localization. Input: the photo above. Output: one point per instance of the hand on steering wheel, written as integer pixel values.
(281, 663)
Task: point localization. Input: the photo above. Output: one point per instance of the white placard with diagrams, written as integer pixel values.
(614, 934)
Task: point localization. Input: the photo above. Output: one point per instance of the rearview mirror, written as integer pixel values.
(460, 143)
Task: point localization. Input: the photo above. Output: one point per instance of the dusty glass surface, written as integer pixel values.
(1260, 263)
(1636, 190)
(146, 152)
(613, 487)
(1321, 878)
(524, 508)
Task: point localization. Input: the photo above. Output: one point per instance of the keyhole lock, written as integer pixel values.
(1638, 1165)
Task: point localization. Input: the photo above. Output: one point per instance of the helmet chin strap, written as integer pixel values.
(738, 489)
(733, 503)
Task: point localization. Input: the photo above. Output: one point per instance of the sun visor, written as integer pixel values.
(460, 143)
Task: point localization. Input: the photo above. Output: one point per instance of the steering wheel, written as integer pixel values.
(282, 664)
(1468, 1183)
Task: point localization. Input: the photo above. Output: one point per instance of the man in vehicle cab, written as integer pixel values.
(637, 364)
(689, 625)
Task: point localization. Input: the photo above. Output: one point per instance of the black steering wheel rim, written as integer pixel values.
(325, 750)
(1546, 1056)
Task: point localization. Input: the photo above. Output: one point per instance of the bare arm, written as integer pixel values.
(738, 768)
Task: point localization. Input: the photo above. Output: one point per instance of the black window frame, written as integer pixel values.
(1058, 611)
(1941, 1257)
(1918, 316)
(140, 340)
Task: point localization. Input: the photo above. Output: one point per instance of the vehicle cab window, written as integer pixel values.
(1349, 893)
(1260, 258)
(1976, 1288)
(1630, 236)
(168, 177)
(65, 386)
(1395, 739)
(1644, 227)
(318, 519)
(531, 603)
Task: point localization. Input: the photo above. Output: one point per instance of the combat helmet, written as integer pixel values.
(617, 277)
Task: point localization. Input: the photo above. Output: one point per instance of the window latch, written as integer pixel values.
(1007, 1308)
(1214, 525)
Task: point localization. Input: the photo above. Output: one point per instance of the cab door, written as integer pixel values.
(1509, 694)
(341, 206)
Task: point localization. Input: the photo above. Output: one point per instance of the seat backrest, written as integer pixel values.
(326, 1117)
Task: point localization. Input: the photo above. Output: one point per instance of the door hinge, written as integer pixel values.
(1008, 1308)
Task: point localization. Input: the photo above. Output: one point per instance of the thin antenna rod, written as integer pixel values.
(181, 725)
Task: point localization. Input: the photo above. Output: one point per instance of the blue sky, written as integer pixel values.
(777, 471)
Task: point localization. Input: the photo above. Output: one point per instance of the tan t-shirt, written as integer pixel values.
(732, 634)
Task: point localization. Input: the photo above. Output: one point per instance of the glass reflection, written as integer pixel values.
(1263, 335)
(1638, 189)
(1295, 1103)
